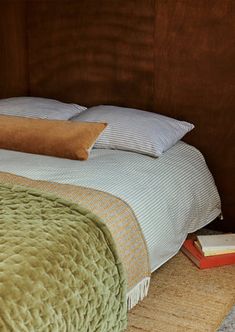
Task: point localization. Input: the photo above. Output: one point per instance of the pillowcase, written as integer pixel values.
(135, 130)
(57, 138)
(41, 108)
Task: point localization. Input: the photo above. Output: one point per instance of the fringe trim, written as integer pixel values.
(137, 293)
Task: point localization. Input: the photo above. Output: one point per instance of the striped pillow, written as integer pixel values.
(41, 108)
(135, 130)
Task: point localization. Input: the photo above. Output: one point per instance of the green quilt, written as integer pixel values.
(59, 269)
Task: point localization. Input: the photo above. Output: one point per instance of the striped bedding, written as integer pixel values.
(170, 196)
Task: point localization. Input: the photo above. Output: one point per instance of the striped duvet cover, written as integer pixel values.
(171, 195)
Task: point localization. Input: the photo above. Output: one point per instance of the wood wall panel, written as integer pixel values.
(92, 51)
(195, 80)
(13, 49)
(173, 57)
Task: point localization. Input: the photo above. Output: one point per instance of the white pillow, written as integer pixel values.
(41, 108)
(135, 130)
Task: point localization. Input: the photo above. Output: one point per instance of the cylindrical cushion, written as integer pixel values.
(57, 138)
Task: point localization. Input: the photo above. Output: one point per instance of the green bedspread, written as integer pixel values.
(59, 270)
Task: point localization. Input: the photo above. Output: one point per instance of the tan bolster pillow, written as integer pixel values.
(57, 138)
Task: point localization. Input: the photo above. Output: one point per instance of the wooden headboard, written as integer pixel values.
(172, 57)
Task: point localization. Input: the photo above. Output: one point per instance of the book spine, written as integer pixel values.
(210, 262)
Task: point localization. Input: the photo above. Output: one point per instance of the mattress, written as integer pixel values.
(171, 196)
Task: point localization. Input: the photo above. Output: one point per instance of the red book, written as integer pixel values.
(205, 262)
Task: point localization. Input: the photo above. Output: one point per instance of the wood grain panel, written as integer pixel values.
(13, 49)
(92, 52)
(172, 57)
(195, 80)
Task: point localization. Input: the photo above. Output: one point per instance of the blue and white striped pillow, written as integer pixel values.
(135, 130)
(41, 108)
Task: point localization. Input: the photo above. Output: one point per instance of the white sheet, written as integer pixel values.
(170, 196)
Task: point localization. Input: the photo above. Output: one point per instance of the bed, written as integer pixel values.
(149, 205)
(136, 54)
(150, 186)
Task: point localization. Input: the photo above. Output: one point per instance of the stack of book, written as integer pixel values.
(208, 251)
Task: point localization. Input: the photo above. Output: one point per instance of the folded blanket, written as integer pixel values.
(59, 267)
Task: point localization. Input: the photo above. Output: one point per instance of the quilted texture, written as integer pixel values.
(114, 212)
(59, 270)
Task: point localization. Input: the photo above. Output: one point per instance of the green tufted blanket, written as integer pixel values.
(59, 270)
